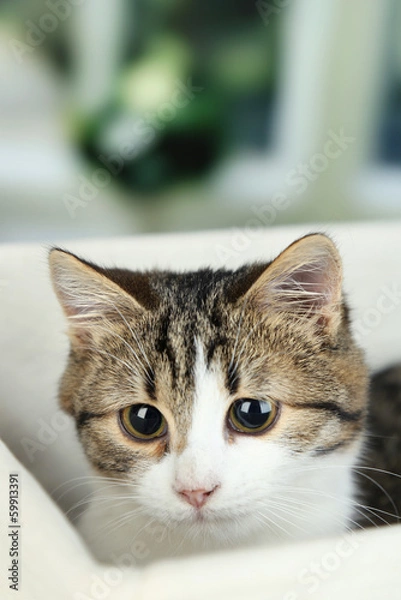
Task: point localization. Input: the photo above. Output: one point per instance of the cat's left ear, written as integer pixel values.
(305, 281)
(88, 297)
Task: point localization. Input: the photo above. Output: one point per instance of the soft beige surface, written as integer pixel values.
(32, 351)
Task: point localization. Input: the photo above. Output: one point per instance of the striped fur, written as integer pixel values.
(276, 331)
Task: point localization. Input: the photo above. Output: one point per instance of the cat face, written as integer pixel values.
(214, 393)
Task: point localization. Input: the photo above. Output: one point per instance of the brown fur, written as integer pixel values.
(379, 469)
(276, 331)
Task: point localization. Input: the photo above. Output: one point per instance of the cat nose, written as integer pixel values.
(197, 498)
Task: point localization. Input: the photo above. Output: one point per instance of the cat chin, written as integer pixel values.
(204, 520)
(152, 537)
(213, 530)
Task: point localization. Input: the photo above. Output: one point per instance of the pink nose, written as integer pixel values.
(196, 497)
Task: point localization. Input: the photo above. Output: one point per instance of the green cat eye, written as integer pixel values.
(252, 416)
(143, 421)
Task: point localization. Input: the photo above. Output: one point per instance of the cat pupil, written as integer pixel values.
(252, 413)
(145, 419)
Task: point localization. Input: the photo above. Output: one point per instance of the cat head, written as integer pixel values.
(209, 390)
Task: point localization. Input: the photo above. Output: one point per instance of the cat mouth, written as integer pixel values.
(207, 517)
(201, 517)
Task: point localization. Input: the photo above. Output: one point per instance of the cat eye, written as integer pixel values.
(143, 421)
(252, 416)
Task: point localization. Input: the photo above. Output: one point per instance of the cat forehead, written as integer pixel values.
(185, 347)
(186, 310)
(199, 316)
(187, 290)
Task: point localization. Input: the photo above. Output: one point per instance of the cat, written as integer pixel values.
(378, 474)
(218, 408)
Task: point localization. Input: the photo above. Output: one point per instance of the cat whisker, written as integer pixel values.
(358, 471)
(383, 471)
(353, 504)
(311, 467)
(312, 506)
(117, 522)
(95, 499)
(84, 501)
(381, 488)
(282, 506)
(89, 479)
(188, 534)
(77, 482)
(274, 524)
(281, 502)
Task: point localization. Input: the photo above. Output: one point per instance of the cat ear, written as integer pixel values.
(86, 295)
(304, 280)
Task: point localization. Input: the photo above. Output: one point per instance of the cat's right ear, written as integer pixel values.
(87, 296)
(304, 281)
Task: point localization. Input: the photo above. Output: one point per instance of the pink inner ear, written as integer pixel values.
(90, 311)
(308, 288)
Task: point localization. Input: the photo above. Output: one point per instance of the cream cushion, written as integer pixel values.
(39, 441)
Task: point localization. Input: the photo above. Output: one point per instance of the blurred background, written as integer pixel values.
(120, 117)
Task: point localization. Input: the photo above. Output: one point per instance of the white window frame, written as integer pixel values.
(332, 78)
